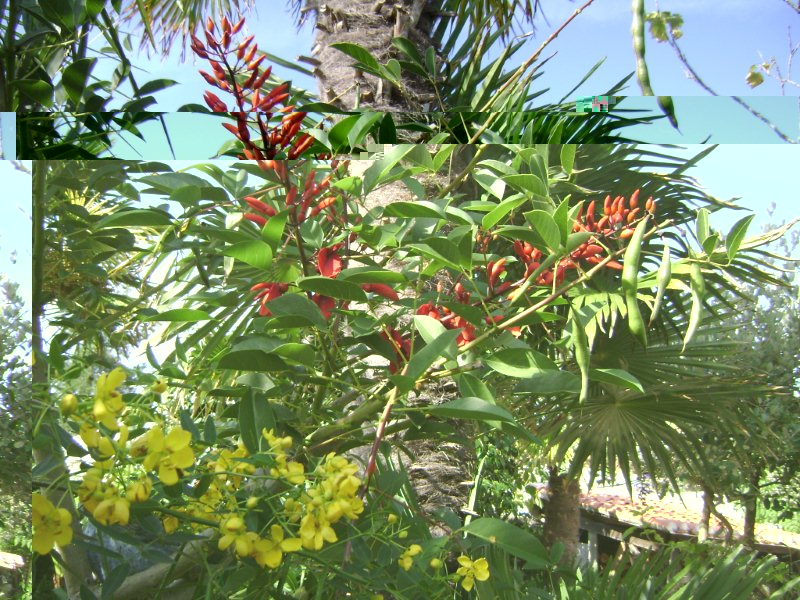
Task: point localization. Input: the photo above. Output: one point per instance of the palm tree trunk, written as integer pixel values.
(371, 24)
(562, 515)
(750, 511)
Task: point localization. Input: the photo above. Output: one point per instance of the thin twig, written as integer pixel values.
(736, 99)
(521, 70)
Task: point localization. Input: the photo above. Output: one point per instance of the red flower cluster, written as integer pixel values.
(617, 219)
(311, 192)
(267, 292)
(226, 63)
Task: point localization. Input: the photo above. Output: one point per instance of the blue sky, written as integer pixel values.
(7, 127)
(720, 38)
(15, 227)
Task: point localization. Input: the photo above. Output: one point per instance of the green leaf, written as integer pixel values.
(156, 85)
(736, 235)
(339, 134)
(359, 53)
(754, 77)
(253, 252)
(469, 385)
(510, 538)
(301, 353)
(210, 431)
(493, 217)
(408, 48)
(255, 414)
(371, 275)
(520, 362)
(526, 183)
(470, 408)
(379, 171)
(186, 315)
(38, 90)
(428, 327)
(568, 157)
(561, 218)
(393, 69)
(701, 225)
(297, 311)
(387, 134)
(75, 77)
(430, 61)
(550, 382)
(546, 227)
(252, 360)
(450, 257)
(359, 130)
(335, 288)
(444, 345)
(272, 233)
(135, 217)
(617, 377)
(421, 209)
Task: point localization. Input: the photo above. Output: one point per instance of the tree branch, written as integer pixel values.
(736, 99)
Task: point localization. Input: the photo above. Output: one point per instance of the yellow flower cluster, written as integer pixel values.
(108, 402)
(105, 434)
(407, 558)
(51, 525)
(267, 551)
(325, 497)
(471, 570)
(333, 496)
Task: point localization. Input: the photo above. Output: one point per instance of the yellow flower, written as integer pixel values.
(139, 491)
(291, 471)
(391, 519)
(268, 552)
(90, 435)
(436, 563)
(171, 453)
(113, 510)
(472, 570)
(235, 532)
(69, 404)
(51, 525)
(108, 402)
(159, 387)
(170, 523)
(92, 489)
(407, 558)
(315, 532)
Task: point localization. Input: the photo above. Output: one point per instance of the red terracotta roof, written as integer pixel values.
(672, 516)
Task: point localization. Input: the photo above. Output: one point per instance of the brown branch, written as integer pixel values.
(138, 585)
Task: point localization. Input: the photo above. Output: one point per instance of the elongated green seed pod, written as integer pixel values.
(582, 354)
(698, 293)
(664, 277)
(637, 31)
(630, 283)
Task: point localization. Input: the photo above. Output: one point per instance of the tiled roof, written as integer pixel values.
(672, 516)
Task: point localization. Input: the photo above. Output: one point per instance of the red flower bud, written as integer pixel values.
(381, 290)
(633, 202)
(238, 26)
